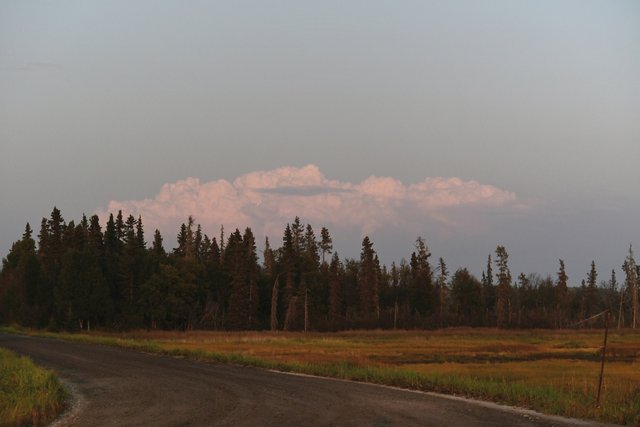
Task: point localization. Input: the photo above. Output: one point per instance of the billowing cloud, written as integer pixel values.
(266, 200)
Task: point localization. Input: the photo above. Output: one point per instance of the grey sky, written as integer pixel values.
(105, 101)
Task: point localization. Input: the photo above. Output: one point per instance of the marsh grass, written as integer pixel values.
(29, 395)
(550, 371)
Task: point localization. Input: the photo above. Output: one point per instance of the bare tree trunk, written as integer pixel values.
(306, 310)
(395, 314)
(291, 313)
(274, 305)
(634, 303)
(620, 320)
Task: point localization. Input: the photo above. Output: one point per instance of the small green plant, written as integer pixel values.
(29, 395)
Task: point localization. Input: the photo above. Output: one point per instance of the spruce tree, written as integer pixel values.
(157, 246)
(326, 243)
(95, 239)
(592, 298)
(140, 234)
(631, 273)
(120, 227)
(503, 295)
(235, 268)
(422, 293)
(335, 290)
(368, 282)
(466, 298)
(441, 289)
(562, 297)
(252, 272)
(269, 259)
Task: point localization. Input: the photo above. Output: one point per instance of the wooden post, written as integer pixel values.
(607, 316)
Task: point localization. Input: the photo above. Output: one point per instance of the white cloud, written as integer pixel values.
(267, 200)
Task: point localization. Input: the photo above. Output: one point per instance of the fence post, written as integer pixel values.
(607, 317)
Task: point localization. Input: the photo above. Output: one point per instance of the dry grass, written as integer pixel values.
(550, 371)
(549, 362)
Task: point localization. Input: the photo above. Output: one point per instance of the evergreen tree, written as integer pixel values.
(488, 295)
(113, 251)
(609, 291)
(252, 271)
(132, 272)
(80, 277)
(51, 261)
(441, 290)
(592, 297)
(19, 281)
(269, 259)
(157, 247)
(288, 260)
(83, 295)
(326, 243)
(165, 299)
(239, 306)
(368, 282)
(95, 239)
(335, 290)
(521, 299)
(217, 288)
(183, 241)
(216, 253)
(120, 227)
(205, 249)
(422, 294)
(503, 295)
(111, 241)
(297, 230)
(197, 243)
(466, 295)
(311, 290)
(562, 297)
(140, 234)
(631, 273)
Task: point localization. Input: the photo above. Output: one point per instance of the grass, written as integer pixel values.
(29, 395)
(555, 372)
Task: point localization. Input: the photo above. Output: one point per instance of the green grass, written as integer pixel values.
(553, 373)
(29, 395)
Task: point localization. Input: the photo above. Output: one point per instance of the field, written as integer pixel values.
(29, 395)
(554, 372)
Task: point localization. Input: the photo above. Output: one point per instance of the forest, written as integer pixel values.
(79, 277)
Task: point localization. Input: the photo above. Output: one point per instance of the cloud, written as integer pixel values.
(267, 200)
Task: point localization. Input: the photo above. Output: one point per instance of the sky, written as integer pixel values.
(471, 124)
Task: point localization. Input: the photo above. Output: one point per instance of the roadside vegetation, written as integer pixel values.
(554, 372)
(29, 395)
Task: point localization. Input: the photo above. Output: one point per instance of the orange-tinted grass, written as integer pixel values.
(551, 371)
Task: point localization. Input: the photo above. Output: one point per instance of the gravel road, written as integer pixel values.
(116, 387)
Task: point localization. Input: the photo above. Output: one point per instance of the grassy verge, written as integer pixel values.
(553, 372)
(29, 395)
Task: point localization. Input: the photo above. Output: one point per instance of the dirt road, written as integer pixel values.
(120, 387)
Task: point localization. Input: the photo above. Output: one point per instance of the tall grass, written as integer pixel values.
(550, 371)
(29, 395)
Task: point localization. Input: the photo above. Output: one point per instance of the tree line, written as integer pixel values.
(79, 276)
